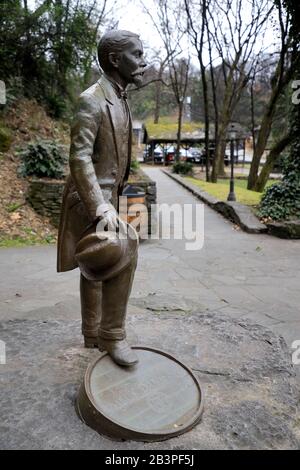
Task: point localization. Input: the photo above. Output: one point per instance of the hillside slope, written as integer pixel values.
(19, 223)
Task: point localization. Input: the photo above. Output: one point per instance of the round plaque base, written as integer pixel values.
(157, 399)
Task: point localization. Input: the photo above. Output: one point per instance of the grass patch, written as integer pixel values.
(220, 190)
(19, 241)
(14, 206)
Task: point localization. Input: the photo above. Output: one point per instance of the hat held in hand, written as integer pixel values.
(103, 255)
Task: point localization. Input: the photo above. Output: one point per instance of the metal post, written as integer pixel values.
(152, 151)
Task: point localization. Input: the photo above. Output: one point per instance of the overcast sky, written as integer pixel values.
(130, 16)
(133, 17)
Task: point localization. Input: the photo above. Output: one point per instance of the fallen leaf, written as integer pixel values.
(15, 216)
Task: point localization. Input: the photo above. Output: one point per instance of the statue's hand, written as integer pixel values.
(108, 217)
(111, 219)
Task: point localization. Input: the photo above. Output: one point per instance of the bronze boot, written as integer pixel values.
(115, 294)
(90, 342)
(119, 350)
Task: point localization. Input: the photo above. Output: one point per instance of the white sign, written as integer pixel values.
(296, 94)
(296, 354)
(2, 352)
(2, 92)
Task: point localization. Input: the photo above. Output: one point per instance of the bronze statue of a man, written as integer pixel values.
(99, 167)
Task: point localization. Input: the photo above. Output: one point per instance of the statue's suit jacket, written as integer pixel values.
(99, 165)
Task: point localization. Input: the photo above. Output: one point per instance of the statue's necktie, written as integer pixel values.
(123, 94)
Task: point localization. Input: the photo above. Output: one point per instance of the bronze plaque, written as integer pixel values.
(157, 399)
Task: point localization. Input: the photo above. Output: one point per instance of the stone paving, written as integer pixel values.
(240, 274)
(250, 394)
(235, 281)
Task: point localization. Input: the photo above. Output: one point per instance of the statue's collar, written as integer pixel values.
(111, 88)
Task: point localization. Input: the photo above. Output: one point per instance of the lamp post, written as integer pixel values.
(231, 195)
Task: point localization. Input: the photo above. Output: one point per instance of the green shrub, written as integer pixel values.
(279, 164)
(282, 200)
(183, 168)
(56, 106)
(134, 166)
(44, 159)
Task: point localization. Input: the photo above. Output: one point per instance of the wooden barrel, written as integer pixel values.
(138, 216)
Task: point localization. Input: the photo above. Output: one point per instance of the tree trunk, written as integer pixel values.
(28, 60)
(60, 82)
(221, 165)
(205, 90)
(218, 163)
(270, 161)
(215, 102)
(180, 112)
(252, 117)
(206, 117)
(224, 119)
(158, 85)
(279, 82)
(263, 135)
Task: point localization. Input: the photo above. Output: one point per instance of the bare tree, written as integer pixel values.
(234, 36)
(158, 88)
(169, 25)
(179, 74)
(278, 81)
(159, 61)
(197, 12)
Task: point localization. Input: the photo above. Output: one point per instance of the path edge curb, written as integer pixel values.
(233, 211)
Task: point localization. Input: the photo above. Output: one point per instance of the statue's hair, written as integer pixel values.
(113, 41)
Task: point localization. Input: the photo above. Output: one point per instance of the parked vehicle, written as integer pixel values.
(170, 154)
(145, 155)
(158, 155)
(211, 155)
(195, 155)
(239, 155)
(227, 157)
(185, 155)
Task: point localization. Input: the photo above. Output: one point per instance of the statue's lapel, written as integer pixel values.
(113, 112)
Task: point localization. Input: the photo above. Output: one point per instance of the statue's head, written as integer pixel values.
(120, 53)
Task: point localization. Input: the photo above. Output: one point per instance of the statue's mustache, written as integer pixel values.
(140, 71)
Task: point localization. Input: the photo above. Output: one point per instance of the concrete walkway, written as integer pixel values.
(254, 276)
(194, 304)
(242, 275)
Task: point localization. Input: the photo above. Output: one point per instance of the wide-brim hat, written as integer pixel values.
(103, 255)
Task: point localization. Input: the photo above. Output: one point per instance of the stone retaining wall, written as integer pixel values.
(45, 196)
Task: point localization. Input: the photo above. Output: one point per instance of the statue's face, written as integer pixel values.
(131, 62)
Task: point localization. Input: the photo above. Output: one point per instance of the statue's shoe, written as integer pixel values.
(90, 342)
(119, 350)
